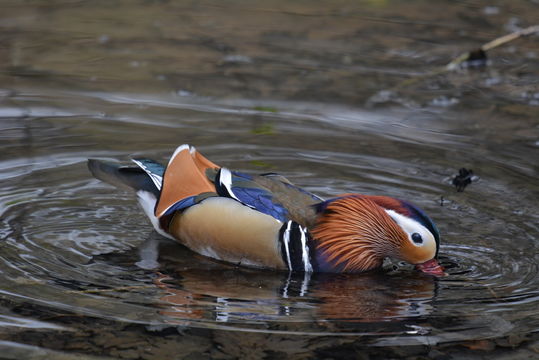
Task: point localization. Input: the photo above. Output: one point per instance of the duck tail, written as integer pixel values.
(129, 177)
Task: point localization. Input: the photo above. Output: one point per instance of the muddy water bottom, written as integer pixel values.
(138, 342)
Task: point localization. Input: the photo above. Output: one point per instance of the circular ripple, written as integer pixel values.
(501, 276)
(71, 242)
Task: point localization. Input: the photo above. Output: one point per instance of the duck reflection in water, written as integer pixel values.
(210, 291)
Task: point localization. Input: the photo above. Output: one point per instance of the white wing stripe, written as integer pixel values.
(156, 179)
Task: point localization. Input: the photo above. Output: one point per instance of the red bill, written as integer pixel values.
(431, 267)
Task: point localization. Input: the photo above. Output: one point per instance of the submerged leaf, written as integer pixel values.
(266, 129)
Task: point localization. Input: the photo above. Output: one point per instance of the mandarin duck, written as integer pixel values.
(265, 221)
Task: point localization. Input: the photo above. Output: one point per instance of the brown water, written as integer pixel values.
(313, 90)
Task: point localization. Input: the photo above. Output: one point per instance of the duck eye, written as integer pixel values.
(417, 238)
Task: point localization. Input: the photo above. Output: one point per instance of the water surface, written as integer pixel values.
(314, 92)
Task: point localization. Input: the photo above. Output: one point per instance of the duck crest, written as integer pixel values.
(355, 234)
(410, 210)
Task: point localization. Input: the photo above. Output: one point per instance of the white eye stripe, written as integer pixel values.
(411, 226)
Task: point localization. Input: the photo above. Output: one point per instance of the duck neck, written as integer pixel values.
(343, 255)
(302, 251)
(354, 234)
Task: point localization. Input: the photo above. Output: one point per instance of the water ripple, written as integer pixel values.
(73, 243)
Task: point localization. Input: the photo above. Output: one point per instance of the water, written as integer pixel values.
(83, 273)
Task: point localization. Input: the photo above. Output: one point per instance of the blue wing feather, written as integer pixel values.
(244, 188)
(150, 165)
(181, 205)
(248, 192)
(261, 200)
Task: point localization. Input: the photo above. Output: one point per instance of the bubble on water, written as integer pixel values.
(491, 10)
(492, 81)
(513, 24)
(237, 59)
(444, 101)
(182, 92)
(103, 39)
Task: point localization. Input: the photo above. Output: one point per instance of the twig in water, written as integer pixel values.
(477, 54)
(455, 63)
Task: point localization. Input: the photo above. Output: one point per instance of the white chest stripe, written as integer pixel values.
(305, 250)
(295, 248)
(286, 240)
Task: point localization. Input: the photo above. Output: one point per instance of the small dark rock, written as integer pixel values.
(476, 58)
(463, 179)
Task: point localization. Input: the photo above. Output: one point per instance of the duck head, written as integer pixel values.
(354, 233)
